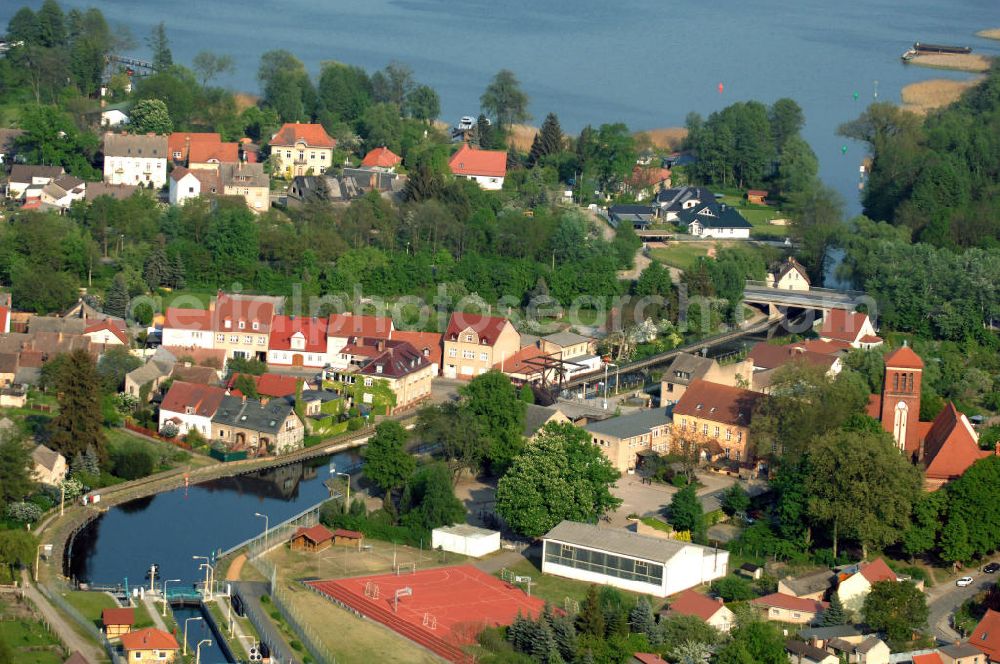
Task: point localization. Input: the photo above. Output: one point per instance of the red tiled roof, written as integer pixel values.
(518, 362)
(205, 152)
(316, 534)
(488, 328)
(986, 635)
(312, 330)
(350, 534)
(756, 192)
(201, 356)
(876, 571)
(769, 356)
(348, 325)
(382, 158)
(179, 141)
(649, 658)
(205, 399)
(103, 325)
(929, 658)
(4, 315)
(843, 325)
(188, 319)
(268, 385)
(825, 347)
(717, 403)
(470, 161)
(870, 339)
(950, 445)
(149, 639)
(118, 616)
(691, 603)
(647, 177)
(904, 358)
(209, 179)
(423, 341)
(313, 134)
(244, 309)
(790, 603)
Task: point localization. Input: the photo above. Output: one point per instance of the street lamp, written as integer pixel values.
(267, 527)
(186, 632)
(347, 501)
(197, 655)
(606, 365)
(208, 570)
(165, 582)
(38, 551)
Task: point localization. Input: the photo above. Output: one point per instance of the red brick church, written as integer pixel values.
(947, 446)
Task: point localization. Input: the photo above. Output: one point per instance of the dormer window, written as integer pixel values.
(189, 410)
(256, 325)
(242, 325)
(468, 337)
(378, 369)
(227, 324)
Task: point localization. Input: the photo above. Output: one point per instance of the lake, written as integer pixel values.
(641, 62)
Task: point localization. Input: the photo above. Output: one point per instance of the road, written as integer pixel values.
(251, 592)
(62, 627)
(944, 598)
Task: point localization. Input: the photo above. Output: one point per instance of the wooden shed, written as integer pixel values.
(757, 197)
(344, 537)
(117, 621)
(312, 539)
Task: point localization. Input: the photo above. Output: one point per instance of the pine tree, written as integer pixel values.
(565, 635)
(527, 395)
(175, 272)
(587, 657)
(590, 620)
(834, 614)
(116, 298)
(614, 621)
(640, 619)
(91, 462)
(79, 424)
(543, 643)
(517, 633)
(160, 46)
(157, 268)
(548, 141)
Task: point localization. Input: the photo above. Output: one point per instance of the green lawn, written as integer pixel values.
(90, 604)
(682, 255)
(759, 216)
(187, 299)
(555, 589)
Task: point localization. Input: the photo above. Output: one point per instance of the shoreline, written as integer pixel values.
(970, 62)
(991, 33)
(923, 97)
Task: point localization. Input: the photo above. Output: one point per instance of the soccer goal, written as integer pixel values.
(401, 567)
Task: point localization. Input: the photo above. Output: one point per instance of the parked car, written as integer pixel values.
(991, 568)
(964, 581)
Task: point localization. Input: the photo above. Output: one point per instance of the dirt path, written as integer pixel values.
(236, 568)
(67, 634)
(642, 261)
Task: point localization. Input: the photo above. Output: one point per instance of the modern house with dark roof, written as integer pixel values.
(714, 220)
(671, 202)
(623, 439)
(474, 344)
(630, 561)
(259, 429)
(807, 586)
(800, 652)
(639, 217)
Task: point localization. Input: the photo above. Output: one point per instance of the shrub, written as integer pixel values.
(265, 599)
(295, 645)
(169, 430)
(132, 460)
(733, 589)
(355, 423)
(24, 512)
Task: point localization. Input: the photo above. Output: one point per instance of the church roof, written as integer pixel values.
(951, 446)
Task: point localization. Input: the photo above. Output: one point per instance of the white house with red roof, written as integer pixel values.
(779, 607)
(986, 636)
(352, 330)
(108, 332)
(301, 149)
(188, 328)
(849, 327)
(187, 183)
(712, 610)
(298, 341)
(487, 168)
(381, 159)
(191, 406)
(855, 584)
(473, 344)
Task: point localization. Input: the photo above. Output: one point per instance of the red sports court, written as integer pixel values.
(448, 606)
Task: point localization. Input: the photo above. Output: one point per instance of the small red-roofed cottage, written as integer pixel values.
(117, 621)
(297, 341)
(854, 586)
(191, 406)
(381, 159)
(301, 149)
(712, 611)
(487, 168)
(150, 646)
(928, 658)
(106, 332)
(851, 327)
(647, 658)
(788, 608)
(312, 540)
(986, 636)
(473, 344)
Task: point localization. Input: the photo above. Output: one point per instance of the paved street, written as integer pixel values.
(944, 598)
(251, 592)
(67, 634)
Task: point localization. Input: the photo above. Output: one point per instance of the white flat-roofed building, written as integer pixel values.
(466, 540)
(629, 561)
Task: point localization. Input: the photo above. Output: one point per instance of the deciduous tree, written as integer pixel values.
(897, 608)
(493, 401)
(387, 463)
(150, 116)
(505, 100)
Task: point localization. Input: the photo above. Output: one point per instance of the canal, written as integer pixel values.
(169, 528)
(200, 630)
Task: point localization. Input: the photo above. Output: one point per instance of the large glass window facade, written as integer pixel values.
(603, 563)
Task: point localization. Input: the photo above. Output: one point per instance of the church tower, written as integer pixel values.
(901, 397)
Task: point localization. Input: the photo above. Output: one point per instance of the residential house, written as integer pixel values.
(767, 359)
(180, 144)
(312, 539)
(150, 646)
(577, 351)
(337, 188)
(119, 192)
(8, 368)
(536, 417)
(117, 621)
(428, 344)
(58, 194)
(623, 438)
(193, 373)
(717, 417)
(268, 385)
(821, 636)
(298, 342)
(152, 373)
(249, 182)
(407, 372)
(639, 217)
(849, 327)
(48, 466)
(647, 658)
(712, 610)
(779, 607)
(807, 586)
(800, 652)
(872, 650)
(630, 561)
(359, 181)
(854, 584)
(686, 368)
(381, 159)
(714, 220)
(947, 446)
(645, 182)
(23, 176)
(487, 168)
(135, 159)
(528, 366)
(986, 636)
(962, 653)
(301, 149)
(473, 344)
(242, 324)
(186, 184)
(788, 275)
(671, 202)
(260, 429)
(107, 332)
(188, 328)
(927, 658)
(209, 155)
(191, 406)
(347, 328)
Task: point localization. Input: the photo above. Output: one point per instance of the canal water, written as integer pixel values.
(199, 630)
(169, 528)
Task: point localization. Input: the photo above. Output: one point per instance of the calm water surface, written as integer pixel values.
(644, 62)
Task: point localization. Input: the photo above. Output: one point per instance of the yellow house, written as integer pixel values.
(301, 149)
(719, 415)
(473, 344)
(687, 368)
(623, 438)
(150, 646)
(779, 607)
(249, 182)
(406, 370)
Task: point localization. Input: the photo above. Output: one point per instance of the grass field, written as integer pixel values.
(759, 216)
(338, 562)
(682, 255)
(556, 589)
(91, 604)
